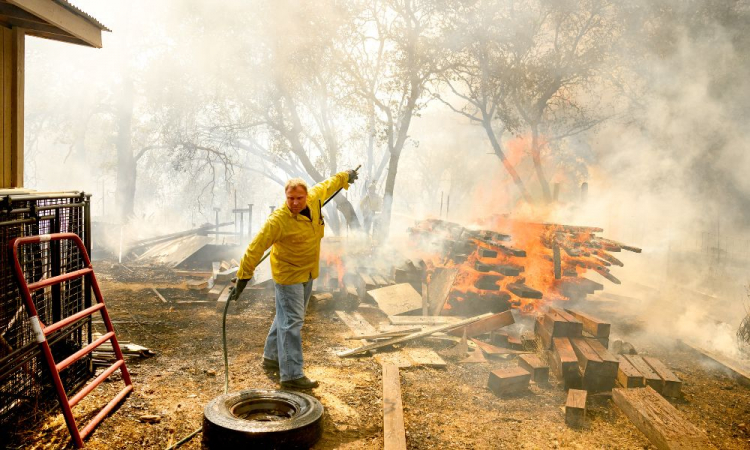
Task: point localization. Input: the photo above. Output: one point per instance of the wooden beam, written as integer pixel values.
(34, 26)
(423, 320)
(63, 19)
(628, 376)
(412, 336)
(651, 378)
(483, 326)
(597, 327)
(533, 364)
(741, 373)
(656, 418)
(565, 362)
(672, 384)
(512, 380)
(394, 432)
(575, 408)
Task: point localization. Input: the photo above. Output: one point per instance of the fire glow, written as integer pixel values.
(517, 264)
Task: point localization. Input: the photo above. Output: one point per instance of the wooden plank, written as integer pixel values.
(652, 378)
(357, 324)
(221, 301)
(424, 357)
(483, 326)
(656, 418)
(216, 291)
(226, 275)
(397, 299)
(424, 320)
(398, 358)
(672, 384)
(533, 364)
(492, 350)
(394, 433)
(742, 373)
(512, 380)
(628, 376)
(197, 285)
(388, 334)
(597, 327)
(161, 297)
(416, 335)
(575, 408)
(439, 288)
(17, 107)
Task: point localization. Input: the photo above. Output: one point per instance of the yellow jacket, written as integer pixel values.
(295, 238)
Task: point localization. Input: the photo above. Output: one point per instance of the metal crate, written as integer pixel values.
(25, 384)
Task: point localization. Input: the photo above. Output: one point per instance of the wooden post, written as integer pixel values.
(17, 107)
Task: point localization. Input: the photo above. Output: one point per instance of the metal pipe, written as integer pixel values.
(47, 208)
(87, 240)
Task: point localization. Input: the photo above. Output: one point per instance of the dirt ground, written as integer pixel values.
(448, 408)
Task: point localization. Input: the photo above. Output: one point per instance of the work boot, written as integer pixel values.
(299, 383)
(270, 365)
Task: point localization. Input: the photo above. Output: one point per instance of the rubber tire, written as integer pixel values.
(223, 430)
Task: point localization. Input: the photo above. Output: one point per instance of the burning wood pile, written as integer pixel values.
(516, 264)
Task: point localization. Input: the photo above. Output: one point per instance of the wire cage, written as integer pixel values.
(25, 384)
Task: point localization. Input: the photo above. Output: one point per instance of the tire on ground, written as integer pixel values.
(261, 418)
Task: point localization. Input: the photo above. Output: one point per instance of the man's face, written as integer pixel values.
(296, 199)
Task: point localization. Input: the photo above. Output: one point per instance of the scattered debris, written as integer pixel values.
(150, 418)
(161, 297)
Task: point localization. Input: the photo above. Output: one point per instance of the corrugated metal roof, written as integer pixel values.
(72, 8)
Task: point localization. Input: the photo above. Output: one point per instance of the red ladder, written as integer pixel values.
(42, 331)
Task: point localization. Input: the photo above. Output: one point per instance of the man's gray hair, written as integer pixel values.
(294, 182)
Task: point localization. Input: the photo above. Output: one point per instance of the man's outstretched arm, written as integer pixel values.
(250, 260)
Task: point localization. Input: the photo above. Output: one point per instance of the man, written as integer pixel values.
(294, 230)
(370, 205)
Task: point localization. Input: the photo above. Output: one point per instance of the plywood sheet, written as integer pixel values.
(397, 299)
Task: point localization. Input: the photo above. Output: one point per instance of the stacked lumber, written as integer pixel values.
(574, 342)
(496, 259)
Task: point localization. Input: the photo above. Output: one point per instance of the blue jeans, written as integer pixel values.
(284, 341)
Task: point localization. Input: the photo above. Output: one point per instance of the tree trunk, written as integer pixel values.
(126, 163)
(390, 184)
(536, 156)
(508, 166)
